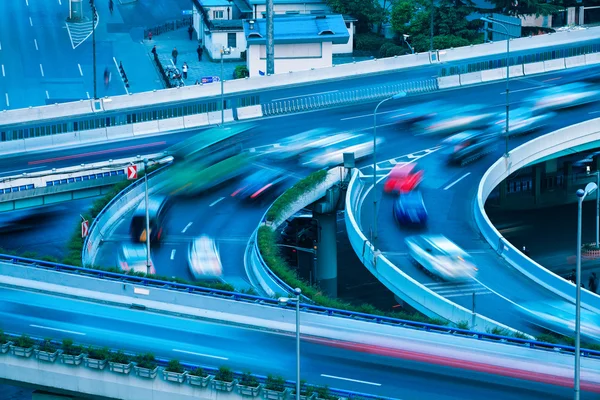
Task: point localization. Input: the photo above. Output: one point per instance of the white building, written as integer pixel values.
(301, 42)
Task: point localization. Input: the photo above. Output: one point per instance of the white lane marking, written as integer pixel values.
(187, 227)
(520, 90)
(216, 202)
(173, 254)
(59, 3)
(42, 69)
(47, 95)
(80, 70)
(30, 21)
(7, 102)
(36, 45)
(368, 115)
(20, 171)
(0, 45)
(591, 112)
(88, 94)
(200, 354)
(117, 65)
(57, 330)
(350, 380)
(27, 2)
(456, 181)
(553, 79)
(3, 73)
(305, 95)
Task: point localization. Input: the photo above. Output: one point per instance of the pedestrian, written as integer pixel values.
(197, 82)
(525, 251)
(110, 6)
(154, 51)
(150, 35)
(106, 78)
(199, 51)
(190, 32)
(593, 283)
(184, 69)
(174, 54)
(572, 276)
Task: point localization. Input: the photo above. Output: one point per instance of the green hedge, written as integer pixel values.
(291, 195)
(368, 41)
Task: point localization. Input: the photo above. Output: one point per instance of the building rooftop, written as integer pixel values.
(259, 2)
(227, 25)
(216, 3)
(299, 29)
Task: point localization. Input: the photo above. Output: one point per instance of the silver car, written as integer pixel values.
(204, 259)
(133, 257)
(565, 96)
(454, 121)
(441, 257)
(521, 120)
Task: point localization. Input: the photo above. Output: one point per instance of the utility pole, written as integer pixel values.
(94, 19)
(270, 39)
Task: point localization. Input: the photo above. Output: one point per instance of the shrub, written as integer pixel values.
(241, 71)
(368, 41)
(520, 335)
(24, 341)
(146, 360)
(547, 338)
(48, 346)
(462, 325)
(70, 349)
(199, 372)
(275, 383)
(175, 366)
(498, 331)
(224, 374)
(98, 354)
(396, 51)
(384, 48)
(3, 337)
(249, 380)
(119, 357)
(323, 393)
(447, 41)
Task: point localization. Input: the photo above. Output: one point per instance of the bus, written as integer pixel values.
(157, 207)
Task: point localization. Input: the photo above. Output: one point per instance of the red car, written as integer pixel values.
(403, 179)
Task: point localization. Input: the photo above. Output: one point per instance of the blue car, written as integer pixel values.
(409, 209)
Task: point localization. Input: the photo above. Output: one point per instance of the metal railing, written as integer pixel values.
(168, 26)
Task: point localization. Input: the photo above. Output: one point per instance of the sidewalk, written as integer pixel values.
(166, 42)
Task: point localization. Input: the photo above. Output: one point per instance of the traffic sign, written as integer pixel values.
(131, 172)
(210, 79)
(85, 228)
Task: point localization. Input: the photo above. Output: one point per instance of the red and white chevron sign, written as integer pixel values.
(131, 172)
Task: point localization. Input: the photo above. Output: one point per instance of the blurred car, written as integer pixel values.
(468, 146)
(559, 317)
(409, 209)
(204, 259)
(441, 257)
(403, 178)
(565, 96)
(295, 145)
(454, 120)
(416, 112)
(333, 155)
(520, 120)
(132, 257)
(259, 183)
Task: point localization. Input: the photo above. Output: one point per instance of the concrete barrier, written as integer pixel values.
(527, 154)
(214, 117)
(515, 70)
(577, 61)
(445, 82)
(170, 124)
(12, 146)
(195, 121)
(470, 78)
(119, 131)
(141, 128)
(493, 74)
(592, 59)
(249, 112)
(533, 68)
(554, 65)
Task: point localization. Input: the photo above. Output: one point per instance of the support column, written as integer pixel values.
(75, 10)
(326, 273)
(567, 173)
(502, 192)
(536, 177)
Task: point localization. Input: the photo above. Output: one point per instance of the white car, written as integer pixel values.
(559, 97)
(334, 155)
(521, 120)
(454, 121)
(133, 257)
(204, 259)
(441, 257)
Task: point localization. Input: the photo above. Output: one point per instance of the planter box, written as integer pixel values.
(199, 380)
(46, 356)
(94, 364)
(71, 360)
(21, 351)
(222, 385)
(310, 397)
(146, 372)
(274, 394)
(174, 376)
(248, 390)
(5, 347)
(120, 368)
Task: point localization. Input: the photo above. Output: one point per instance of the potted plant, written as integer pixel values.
(322, 393)
(198, 377)
(174, 372)
(223, 380)
(274, 388)
(23, 346)
(119, 362)
(146, 366)
(4, 343)
(47, 351)
(71, 354)
(96, 358)
(306, 391)
(248, 385)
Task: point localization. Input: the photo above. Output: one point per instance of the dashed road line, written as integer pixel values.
(30, 21)
(368, 115)
(594, 112)
(187, 227)
(27, 2)
(216, 202)
(80, 70)
(520, 90)
(173, 254)
(59, 3)
(57, 330)
(3, 73)
(88, 94)
(42, 69)
(7, 102)
(36, 45)
(456, 181)
(47, 95)
(350, 380)
(0, 45)
(200, 354)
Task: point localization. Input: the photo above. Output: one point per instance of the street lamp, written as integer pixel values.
(581, 194)
(597, 173)
(285, 300)
(394, 97)
(506, 133)
(224, 51)
(405, 36)
(94, 19)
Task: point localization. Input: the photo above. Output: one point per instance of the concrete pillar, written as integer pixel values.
(326, 272)
(595, 164)
(536, 177)
(567, 173)
(75, 10)
(502, 192)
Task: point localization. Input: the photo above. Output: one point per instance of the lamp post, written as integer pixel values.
(147, 217)
(581, 194)
(224, 51)
(94, 19)
(506, 133)
(285, 300)
(394, 97)
(405, 36)
(597, 173)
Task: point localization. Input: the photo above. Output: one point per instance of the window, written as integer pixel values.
(231, 40)
(218, 14)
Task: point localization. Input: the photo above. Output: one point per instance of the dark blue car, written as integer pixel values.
(409, 209)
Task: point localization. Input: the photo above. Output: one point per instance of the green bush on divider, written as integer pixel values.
(175, 366)
(119, 357)
(98, 354)
(199, 372)
(224, 374)
(248, 380)
(24, 341)
(146, 360)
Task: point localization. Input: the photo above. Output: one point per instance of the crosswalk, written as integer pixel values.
(79, 31)
(458, 289)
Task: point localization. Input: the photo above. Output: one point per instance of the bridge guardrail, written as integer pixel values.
(417, 295)
(46, 272)
(528, 153)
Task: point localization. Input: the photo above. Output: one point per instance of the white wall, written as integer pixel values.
(282, 8)
(196, 18)
(215, 41)
(295, 58)
(210, 12)
(348, 47)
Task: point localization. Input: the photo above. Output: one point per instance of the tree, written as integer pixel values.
(402, 14)
(527, 7)
(367, 12)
